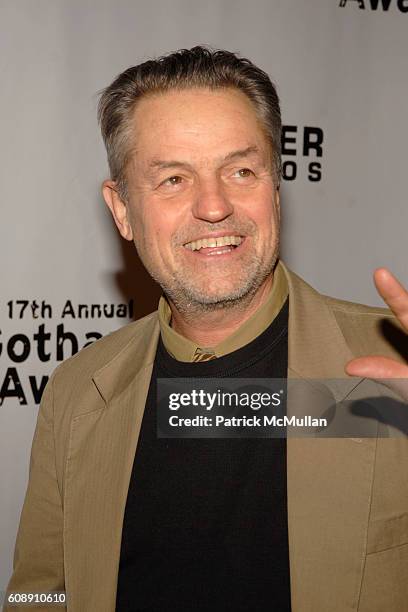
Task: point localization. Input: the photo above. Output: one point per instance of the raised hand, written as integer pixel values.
(377, 366)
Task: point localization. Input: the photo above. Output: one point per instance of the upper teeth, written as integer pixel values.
(213, 242)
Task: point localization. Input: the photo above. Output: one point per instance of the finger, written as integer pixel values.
(393, 293)
(375, 366)
(383, 370)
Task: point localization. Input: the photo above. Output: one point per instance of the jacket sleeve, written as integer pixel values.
(38, 565)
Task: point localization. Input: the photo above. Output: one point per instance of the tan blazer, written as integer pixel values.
(347, 498)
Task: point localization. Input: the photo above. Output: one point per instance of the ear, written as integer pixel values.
(277, 200)
(118, 209)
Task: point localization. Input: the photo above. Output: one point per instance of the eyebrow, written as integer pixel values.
(240, 153)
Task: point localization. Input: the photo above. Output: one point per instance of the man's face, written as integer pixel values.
(203, 207)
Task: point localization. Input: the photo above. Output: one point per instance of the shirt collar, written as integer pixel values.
(184, 349)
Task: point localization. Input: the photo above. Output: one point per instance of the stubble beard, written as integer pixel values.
(191, 299)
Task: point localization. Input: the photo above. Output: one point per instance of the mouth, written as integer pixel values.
(215, 246)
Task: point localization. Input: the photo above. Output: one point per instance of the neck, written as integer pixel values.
(209, 328)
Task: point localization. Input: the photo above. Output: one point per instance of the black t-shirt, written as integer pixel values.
(205, 524)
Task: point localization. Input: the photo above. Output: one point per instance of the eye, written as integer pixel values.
(244, 173)
(172, 181)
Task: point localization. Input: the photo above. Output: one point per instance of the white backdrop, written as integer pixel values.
(340, 67)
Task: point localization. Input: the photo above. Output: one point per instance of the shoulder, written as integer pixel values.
(353, 313)
(367, 329)
(348, 315)
(102, 351)
(355, 309)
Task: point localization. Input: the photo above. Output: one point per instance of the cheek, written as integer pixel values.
(145, 229)
(156, 241)
(267, 221)
(165, 228)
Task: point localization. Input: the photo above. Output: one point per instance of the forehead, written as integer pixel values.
(196, 122)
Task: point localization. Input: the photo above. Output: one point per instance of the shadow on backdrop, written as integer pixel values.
(133, 281)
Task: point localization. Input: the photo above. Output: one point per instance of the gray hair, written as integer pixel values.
(186, 68)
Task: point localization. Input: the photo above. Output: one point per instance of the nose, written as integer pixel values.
(211, 202)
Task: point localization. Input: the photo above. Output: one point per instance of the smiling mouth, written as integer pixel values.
(215, 246)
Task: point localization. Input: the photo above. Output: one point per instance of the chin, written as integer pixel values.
(217, 295)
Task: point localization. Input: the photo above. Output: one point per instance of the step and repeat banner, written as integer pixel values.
(66, 276)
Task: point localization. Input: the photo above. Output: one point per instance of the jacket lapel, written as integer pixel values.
(329, 480)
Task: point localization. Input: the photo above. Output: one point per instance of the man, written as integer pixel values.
(122, 519)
